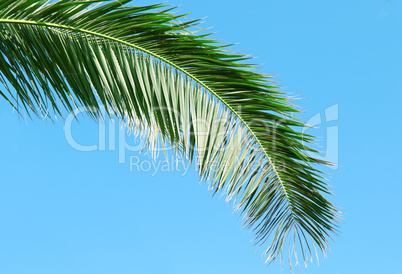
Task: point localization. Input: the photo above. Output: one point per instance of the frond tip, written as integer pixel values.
(144, 65)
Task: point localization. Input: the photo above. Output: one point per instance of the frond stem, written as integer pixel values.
(60, 26)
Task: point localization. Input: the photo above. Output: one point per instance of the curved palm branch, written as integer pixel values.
(177, 87)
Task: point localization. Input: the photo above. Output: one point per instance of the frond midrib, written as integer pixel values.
(61, 26)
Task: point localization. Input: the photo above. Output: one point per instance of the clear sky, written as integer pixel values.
(69, 211)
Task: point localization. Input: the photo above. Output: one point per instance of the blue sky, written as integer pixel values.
(68, 211)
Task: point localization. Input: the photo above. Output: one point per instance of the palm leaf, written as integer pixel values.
(177, 87)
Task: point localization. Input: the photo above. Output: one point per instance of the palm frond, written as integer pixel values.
(144, 65)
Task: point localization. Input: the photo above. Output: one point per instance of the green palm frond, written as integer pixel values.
(177, 87)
